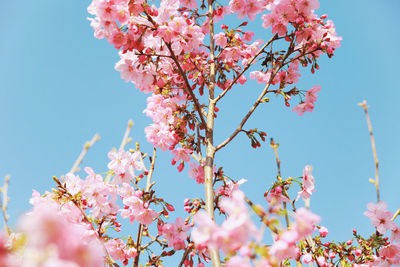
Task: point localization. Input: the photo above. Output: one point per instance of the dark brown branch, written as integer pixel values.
(187, 87)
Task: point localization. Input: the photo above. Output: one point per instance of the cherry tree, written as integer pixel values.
(173, 51)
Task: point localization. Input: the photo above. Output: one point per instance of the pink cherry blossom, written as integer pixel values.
(196, 172)
(120, 251)
(146, 216)
(395, 236)
(311, 95)
(202, 234)
(237, 261)
(220, 39)
(307, 184)
(323, 231)
(176, 233)
(275, 196)
(45, 228)
(304, 222)
(307, 258)
(380, 217)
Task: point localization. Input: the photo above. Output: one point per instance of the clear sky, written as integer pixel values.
(58, 87)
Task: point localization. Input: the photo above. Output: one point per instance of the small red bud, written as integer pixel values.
(181, 166)
(170, 207)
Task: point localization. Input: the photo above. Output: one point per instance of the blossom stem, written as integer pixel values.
(140, 230)
(371, 134)
(278, 165)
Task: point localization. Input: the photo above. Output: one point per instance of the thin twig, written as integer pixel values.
(258, 101)
(376, 182)
(278, 164)
(126, 139)
(187, 86)
(3, 203)
(109, 260)
(140, 230)
(77, 204)
(86, 146)
(187, 251)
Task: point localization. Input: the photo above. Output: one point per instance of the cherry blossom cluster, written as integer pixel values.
(72, 225)
(53, 240)
(162, 51)
(171, 50)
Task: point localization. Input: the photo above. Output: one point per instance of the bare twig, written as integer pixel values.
(245, 118)
(86, 146)
(376, 181)
(3, 203)
(126, 140)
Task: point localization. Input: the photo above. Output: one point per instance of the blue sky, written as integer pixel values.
(58, 87)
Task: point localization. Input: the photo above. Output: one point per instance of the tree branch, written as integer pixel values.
(210, 150)
(246, 68)
(258, 101)
(187, 87)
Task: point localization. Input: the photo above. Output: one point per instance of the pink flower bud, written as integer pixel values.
(358, 252)
(323, 231)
